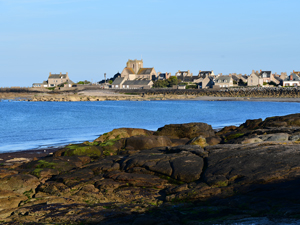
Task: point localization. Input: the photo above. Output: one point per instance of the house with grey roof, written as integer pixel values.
(254, 79)
(183, 73)
(118, 82)
(163, 76)
(137, 84)
(224, 81)
(206, 82)
(44, 84)
(205, 73)
(292, 80)
(57, 79)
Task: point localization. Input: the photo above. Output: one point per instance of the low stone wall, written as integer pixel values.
(274, 92)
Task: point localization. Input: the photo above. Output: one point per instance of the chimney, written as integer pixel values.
(253, 72)
(67, 73)
(291, 77)
(60, 73)
(260, 70)
(293, 71)
(50, 74)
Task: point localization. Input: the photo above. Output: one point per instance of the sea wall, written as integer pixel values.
(262, 92)
(98, 94)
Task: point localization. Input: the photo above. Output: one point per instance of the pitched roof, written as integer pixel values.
(204, 73)
(144, 71)
(182, 73)
(223, 79)
(234, 77)
(129, 70)
(118, 80)
(295, 77)
(137, 82)
(266, 74)
(57, 76)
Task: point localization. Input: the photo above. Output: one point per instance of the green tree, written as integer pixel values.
(84, 82)
(173, 81)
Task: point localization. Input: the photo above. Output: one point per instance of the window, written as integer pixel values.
(117, 86)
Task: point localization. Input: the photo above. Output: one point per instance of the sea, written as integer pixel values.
(39, 125)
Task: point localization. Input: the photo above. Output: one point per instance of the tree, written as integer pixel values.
(173, 81)
(84, 82)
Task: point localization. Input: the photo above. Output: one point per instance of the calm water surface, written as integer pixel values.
(28, 125)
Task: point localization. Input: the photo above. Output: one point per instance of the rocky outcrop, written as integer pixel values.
(189, 130)
(239, 172)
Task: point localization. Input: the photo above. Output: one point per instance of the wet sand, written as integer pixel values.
(21, 156)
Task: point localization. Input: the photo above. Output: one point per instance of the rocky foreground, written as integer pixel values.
(180, 174)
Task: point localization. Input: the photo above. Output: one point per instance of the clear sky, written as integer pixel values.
(88, 38)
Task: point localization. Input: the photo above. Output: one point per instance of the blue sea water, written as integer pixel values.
(29, 125)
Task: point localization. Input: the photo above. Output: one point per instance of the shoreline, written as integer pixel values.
(242, 94)
(90, 98)
(251, 99)
(20, 156)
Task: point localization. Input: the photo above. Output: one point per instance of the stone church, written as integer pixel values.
(135, 70)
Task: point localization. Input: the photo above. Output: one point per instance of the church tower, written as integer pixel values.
(135, 65)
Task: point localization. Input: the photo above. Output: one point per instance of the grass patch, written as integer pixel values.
(37, 172)
(45, 164)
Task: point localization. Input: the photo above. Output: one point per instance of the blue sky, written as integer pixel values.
(88, 38)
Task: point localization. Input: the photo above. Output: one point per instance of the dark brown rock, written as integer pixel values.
(19, 183)
(213, 140)
(188, 130)
(147, 142)
(123, 133)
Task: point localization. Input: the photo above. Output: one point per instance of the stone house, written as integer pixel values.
(183, 74)
(134, 70)
(57, 79)
(122, 83)
(137, 84)
(224, 81)
(205, 82)
(261, 78)
(292, 80)
(118, 82)
(254, 79)
(163, 76)
(266, 76)
(44, 84)
(205, 73)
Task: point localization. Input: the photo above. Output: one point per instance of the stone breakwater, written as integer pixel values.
(149, 94)
(257, 92)
(179, 174)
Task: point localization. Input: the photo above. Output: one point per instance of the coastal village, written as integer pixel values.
(136, 76)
